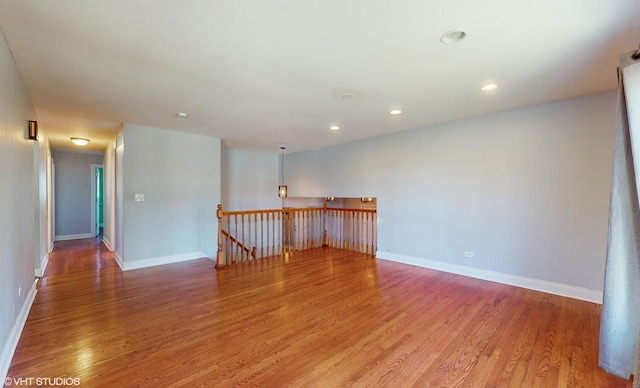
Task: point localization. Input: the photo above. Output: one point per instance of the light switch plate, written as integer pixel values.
(138, 197)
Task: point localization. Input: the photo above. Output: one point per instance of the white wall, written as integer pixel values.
(249, 180)
(526, 190)
(109, 196)
(42, 221)
(179, 175)
(17, 198)
(73, 194)
(119, 199)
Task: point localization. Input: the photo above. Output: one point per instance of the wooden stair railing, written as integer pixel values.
(246, 251)
(277, 232)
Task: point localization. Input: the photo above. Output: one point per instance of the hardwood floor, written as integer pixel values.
(322, 318)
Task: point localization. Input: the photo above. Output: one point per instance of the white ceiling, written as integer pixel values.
(263, 73)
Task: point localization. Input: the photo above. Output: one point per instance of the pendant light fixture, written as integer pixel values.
(282, 189)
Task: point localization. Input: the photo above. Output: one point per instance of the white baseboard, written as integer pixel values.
(574, 292)
(119, 261)
(43, 263)
(74, 236)
(107, 243)
(129, 265)
(51, 246)
(16, 331)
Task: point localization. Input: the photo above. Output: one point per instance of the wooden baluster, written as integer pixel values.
(343, 217)
(219, 257)
(255, 234)
(269, 234)
(354, 221)
(373, 228)
(339, 228)
(362, 230)
(374, 225)
(330, 227)
(354, 231)
(262, 230)
(334, 217)
(227, 255)
(246, 240)
(280, 237)
(296, 230)
(344, 230)
(308, 236)
(350, 231)
(368, 239)
(314, 217)
(357, 231)
(305, 229)
(235, 221)
(302, 230)
(347, 228)
(319, 229)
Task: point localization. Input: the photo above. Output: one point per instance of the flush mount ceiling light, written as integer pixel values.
(182, 115)
(348, 96)
(395, 112)
(489, 87)
(453, 37)
(79, 141)
(334, 128)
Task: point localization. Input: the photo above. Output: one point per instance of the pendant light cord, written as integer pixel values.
(282, 165)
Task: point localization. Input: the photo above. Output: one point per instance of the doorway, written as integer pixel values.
(97, 199)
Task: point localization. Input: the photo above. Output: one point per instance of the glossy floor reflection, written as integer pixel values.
(323, 317)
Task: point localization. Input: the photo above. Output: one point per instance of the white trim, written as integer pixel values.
(52, 246)
(129, 265)
(94, 194)
(119, 261)
(580, 293)
(14, 336)
(107, 243)
(43, 264)
(74, 236)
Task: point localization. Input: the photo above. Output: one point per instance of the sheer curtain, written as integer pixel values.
(620, 325)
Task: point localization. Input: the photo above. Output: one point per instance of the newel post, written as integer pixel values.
(325, 237)
(219, 257)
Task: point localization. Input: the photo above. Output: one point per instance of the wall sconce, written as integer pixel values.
(282, 189)
(33, 130)
(366, 199)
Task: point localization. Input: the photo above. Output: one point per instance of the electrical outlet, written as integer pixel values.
(468, 254)
(20, 290)
(138, 197)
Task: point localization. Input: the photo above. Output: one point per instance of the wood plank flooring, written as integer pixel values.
(322, 318)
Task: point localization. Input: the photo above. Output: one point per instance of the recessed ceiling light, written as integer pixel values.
(453, 37)
(79, 141)
(334, 128)
(488, 87)
(183, 115)
(395, 112)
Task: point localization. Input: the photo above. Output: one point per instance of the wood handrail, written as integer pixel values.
(293, 209)
(274, 232)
